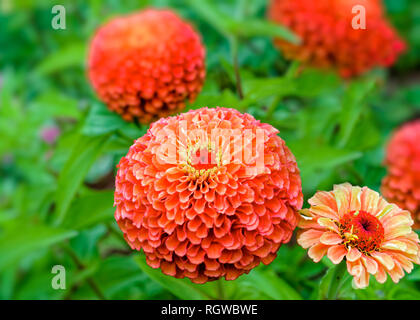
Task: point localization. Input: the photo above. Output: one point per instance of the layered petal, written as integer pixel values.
(373, 236)
(402, 183)
(210, 193)
(146, 65)
(330, 38)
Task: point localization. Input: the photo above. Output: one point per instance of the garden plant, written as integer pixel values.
(197, 149)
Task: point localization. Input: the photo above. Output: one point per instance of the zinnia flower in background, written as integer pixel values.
(402, 184)
(147, 64)
(357, 223)
(207, 194)
(329, 39)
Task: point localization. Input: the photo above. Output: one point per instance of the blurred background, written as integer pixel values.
(59, 147)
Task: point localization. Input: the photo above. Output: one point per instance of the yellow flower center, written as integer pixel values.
(202, 160)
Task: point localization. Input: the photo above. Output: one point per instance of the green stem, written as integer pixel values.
(220, 290)
(81, 266)
(356, 174)
(290, 73)
(116, 233)
(337, 280)
(234, 49)
(272, 108)
(292, 70)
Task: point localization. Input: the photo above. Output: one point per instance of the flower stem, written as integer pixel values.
(220, 291)
(272, 108)
(234, 49)
(337, 280)
(81, 266)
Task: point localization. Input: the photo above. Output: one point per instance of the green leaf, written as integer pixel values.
(229, 27)
(310, 156)
(365, 137)
(85, 246)
(82, 275)
(125, 273)
(257, 89)
(335, 282)
(213, 16)
(272, 285)
(22, 238)
(10, 109)
(241, 289)
(72, 55)
(415, 275)
(353, 105)
(225, 98)
(86, 150)
(182, 288)
(100, 121)
(55, 104)
(7, 283)
(90, 209)
(314, 82)
(259, 27)
(310, 83)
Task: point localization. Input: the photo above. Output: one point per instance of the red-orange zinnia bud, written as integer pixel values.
(331, 37)
(147, 64)
(402, 183)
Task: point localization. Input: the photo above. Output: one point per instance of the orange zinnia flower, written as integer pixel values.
(357, 223)
(402, 184)
(329, 39)
(207, 194)
(147, 64)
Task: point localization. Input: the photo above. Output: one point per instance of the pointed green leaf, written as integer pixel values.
(353, 105)
(100, 121)
(86, 150)
(91, 209)
(72, 55)
(272, 285)
(22, 238)
(182, 288)
(258, 27)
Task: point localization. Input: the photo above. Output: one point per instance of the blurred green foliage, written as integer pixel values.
(56, 198)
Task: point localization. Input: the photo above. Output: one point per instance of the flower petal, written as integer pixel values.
(328, 223)
(336, 253)
(353, 254)
(370, 264)
(361, 281)
(317, 252)
(381, 274)
(342, 194)
(309, 238)
(383, 259)
(330, 238)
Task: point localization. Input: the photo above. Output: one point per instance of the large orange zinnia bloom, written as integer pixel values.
(373, 235)
(207, 194)
(329, 39)
(402, 184)
(147, 64)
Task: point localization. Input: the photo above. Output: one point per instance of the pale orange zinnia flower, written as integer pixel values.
(357, 223)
